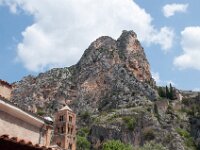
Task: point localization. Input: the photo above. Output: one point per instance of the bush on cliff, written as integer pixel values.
(152, 146)
(116, 145)
(82, 143)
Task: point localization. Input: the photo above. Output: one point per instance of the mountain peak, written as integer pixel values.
(126, 50)
(130, 33)
(106, 67)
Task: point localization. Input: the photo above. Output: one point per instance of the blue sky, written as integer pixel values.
(38, 35)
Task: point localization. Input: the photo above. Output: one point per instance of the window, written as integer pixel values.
(62, 130)
(68, 130)
(58, 130)
(70, 147)
(70, 118)
(61, 118)
(71, 130)
(59, 144)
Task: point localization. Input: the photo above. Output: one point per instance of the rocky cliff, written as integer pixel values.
(112, 91)
(110, 74)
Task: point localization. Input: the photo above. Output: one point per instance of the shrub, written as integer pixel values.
(130, 122)
(40, 112)
(161, 92)
(188, 140)
(168, 138)
(85, 115)
(186, 102)
(83, 132)
(183, 132)
(152, 146)
(82, 143)
(114, 116)
(116, 145)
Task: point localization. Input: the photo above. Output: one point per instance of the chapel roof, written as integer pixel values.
(66, 108)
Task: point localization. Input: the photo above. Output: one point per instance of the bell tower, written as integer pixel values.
(65, 129)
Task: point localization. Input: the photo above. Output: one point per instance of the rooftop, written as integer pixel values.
(66, 108)
(13, 143)
(5, 103)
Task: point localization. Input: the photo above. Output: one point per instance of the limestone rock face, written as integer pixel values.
(133, 56)
(112, 91)
(110, 74)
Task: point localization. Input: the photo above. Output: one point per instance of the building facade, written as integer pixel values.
(16, 122)
(65, 129)
(21, 124)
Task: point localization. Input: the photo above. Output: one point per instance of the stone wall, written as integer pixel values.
(15, 127)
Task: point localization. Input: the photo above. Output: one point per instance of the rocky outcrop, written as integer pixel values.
(112, 91)
(136, 126)
(110, 74)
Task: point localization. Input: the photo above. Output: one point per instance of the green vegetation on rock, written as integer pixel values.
(130, 122)
(166, 92)
(82, 143)
(116, 145)
(152, 146)
(40, 112)
(188, 140)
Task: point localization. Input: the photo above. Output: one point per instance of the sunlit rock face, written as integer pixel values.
(110, 74)
(111, 90)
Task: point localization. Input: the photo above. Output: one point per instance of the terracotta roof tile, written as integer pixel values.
(14, 143)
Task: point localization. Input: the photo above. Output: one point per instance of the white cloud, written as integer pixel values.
(196, 90)
(170, 82)
(164, 38)
(156, 77)
(191, 49)
(62, 30)
(170, 9)
(159, 82)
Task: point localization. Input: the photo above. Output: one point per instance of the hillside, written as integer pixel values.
(114, 95)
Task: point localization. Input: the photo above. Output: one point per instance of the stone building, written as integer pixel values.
(65, 129)
(16, 122)
(5, 89)
(27, 126)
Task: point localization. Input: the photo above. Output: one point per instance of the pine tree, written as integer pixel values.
(167, 92)
(161, 92)
(171, 92)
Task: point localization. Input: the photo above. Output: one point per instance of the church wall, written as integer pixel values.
(15, 127)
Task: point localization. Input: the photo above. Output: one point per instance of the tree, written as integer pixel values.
(82, 143)
(116, 145)
(161, 92)
(167, 92)
(171, 92)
